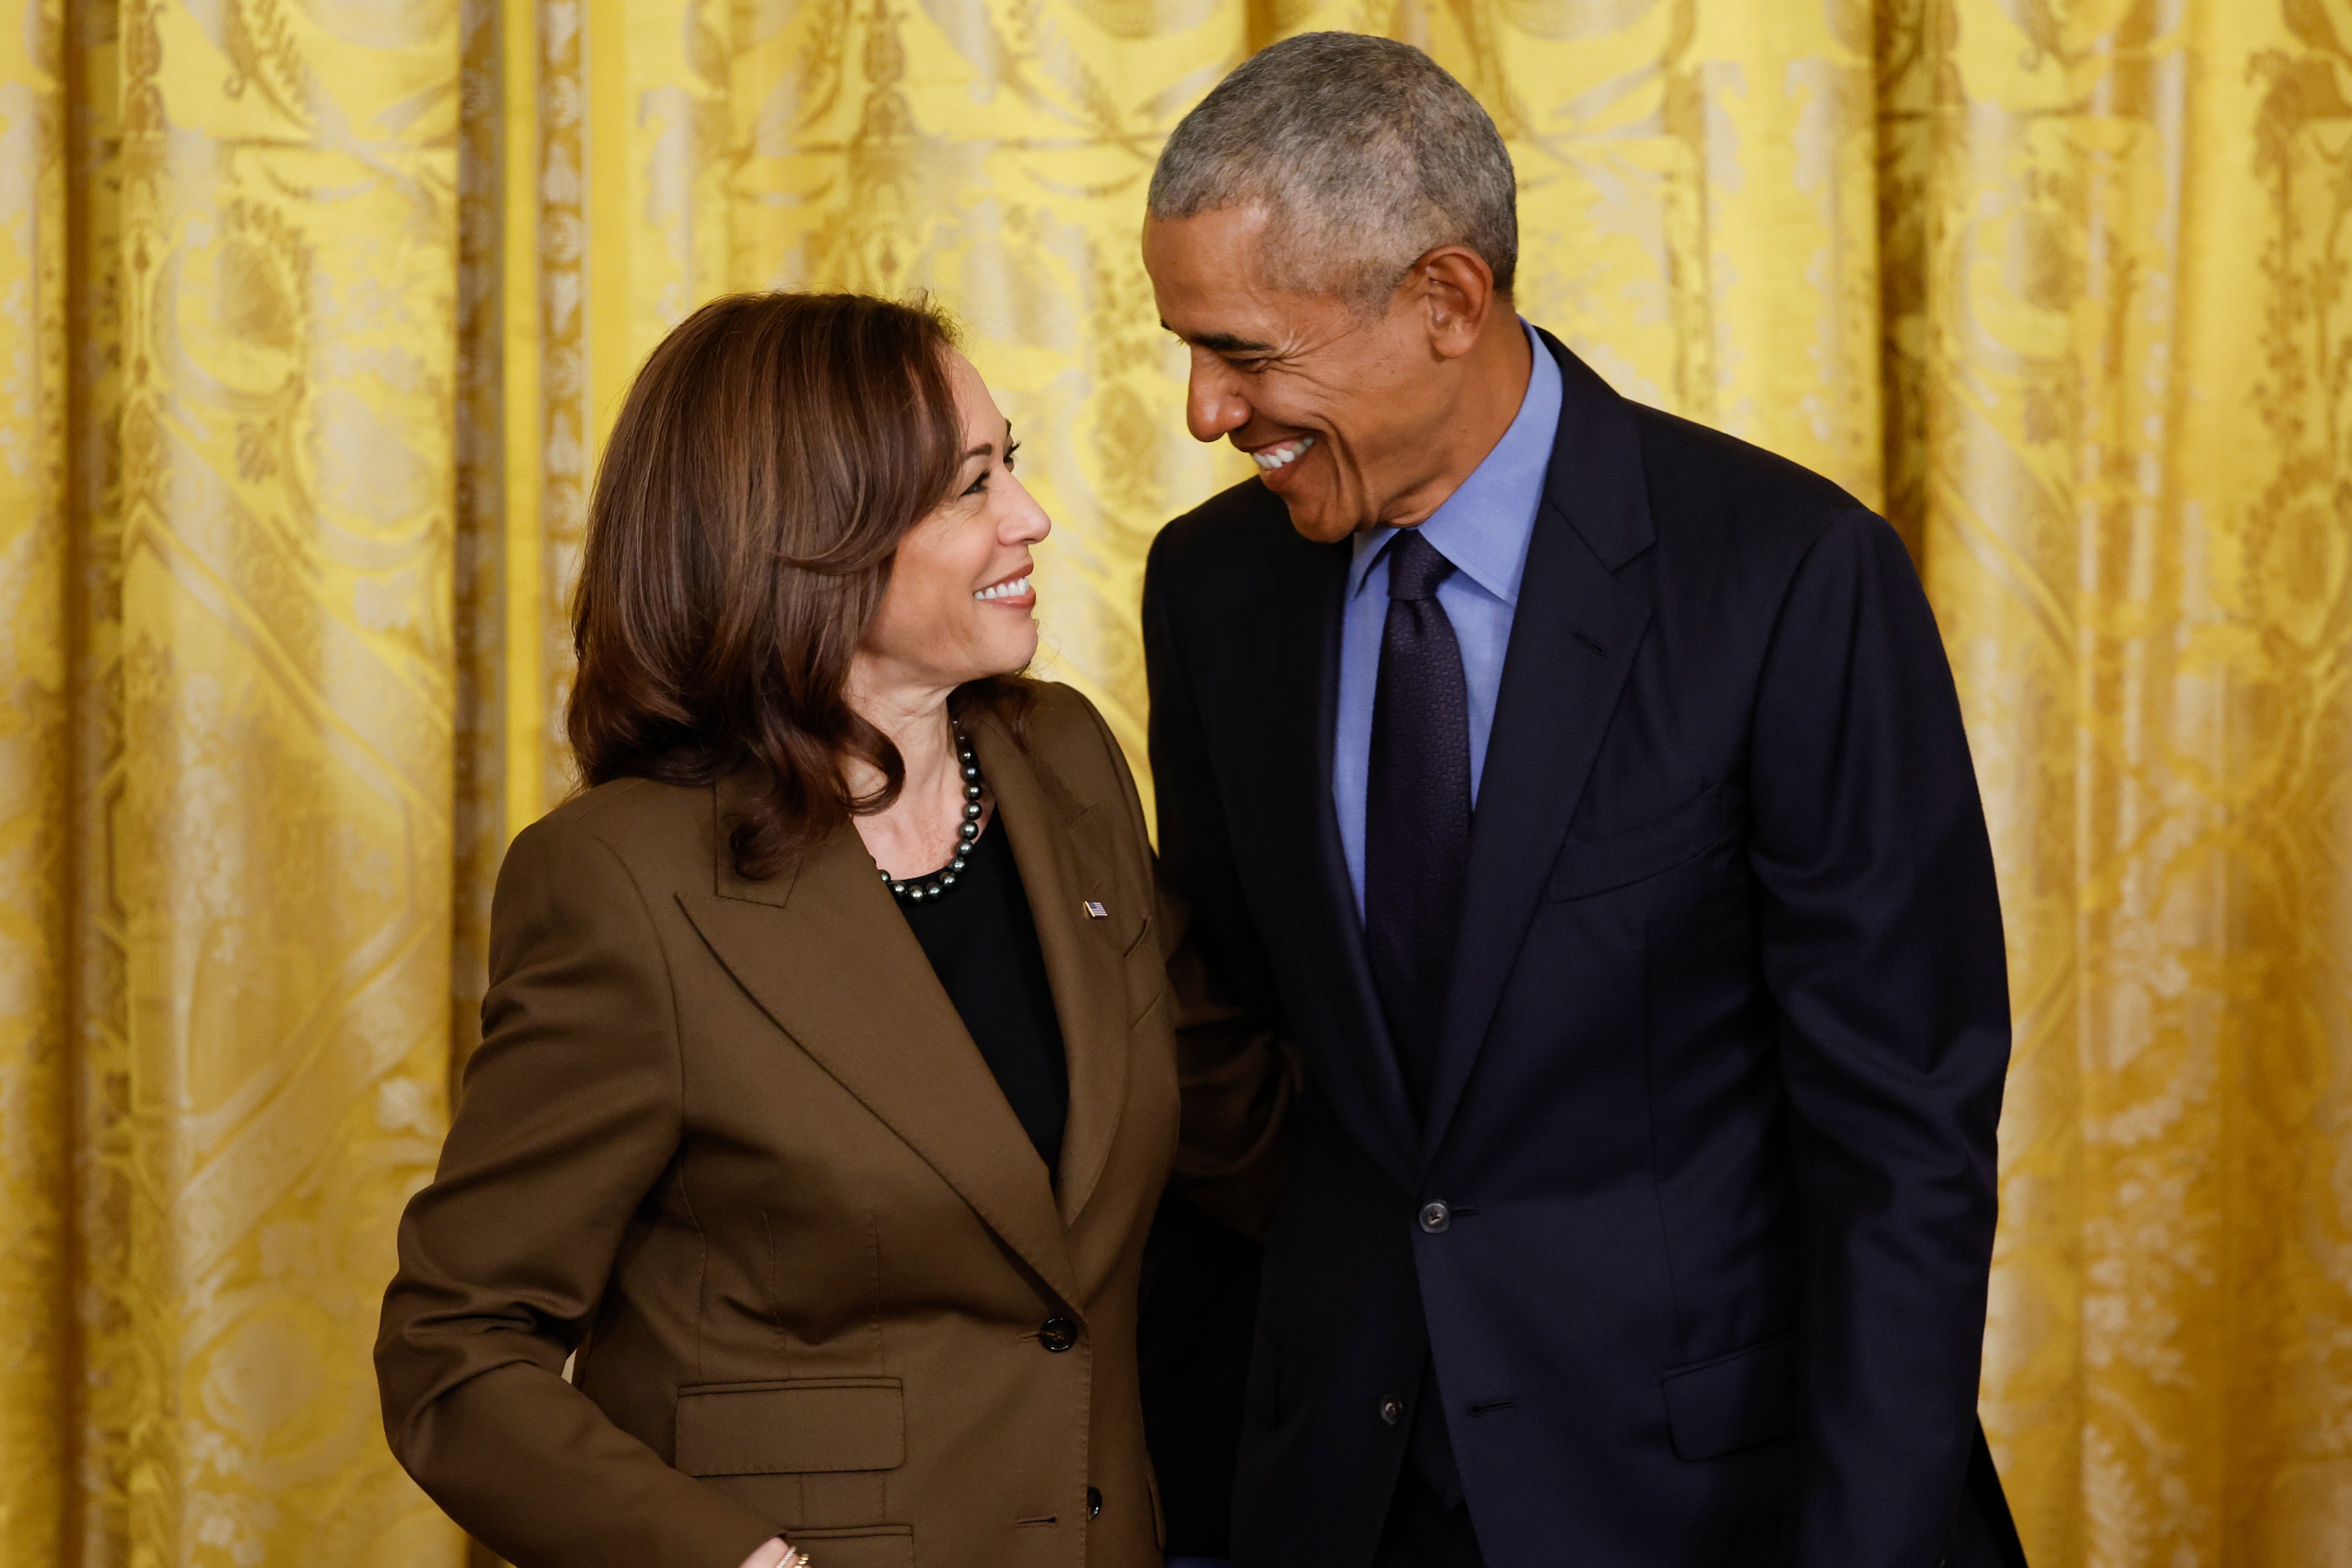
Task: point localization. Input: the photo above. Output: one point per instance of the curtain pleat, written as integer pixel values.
(312, 317)
(37, 769)
(2135, 395)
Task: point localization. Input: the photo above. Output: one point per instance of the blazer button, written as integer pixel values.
(1392, 1411)
(1094, 1502)
(1058, 1334)
(1435, 1217)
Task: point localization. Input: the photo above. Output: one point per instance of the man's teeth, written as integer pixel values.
(1275, 456)
(1013, 590)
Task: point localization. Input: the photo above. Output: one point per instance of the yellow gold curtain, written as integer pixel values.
(312, 312)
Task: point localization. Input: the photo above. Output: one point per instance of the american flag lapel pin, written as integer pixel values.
(1095, 911)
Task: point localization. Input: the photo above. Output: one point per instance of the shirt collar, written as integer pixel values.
(1485, 525)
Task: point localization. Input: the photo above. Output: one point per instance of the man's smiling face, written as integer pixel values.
(1341, 412)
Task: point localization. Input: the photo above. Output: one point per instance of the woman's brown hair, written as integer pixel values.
(773, 453)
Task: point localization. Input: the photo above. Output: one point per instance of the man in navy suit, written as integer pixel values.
(1585, 793)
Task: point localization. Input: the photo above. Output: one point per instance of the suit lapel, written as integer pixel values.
(1295, 663)
(1065, 861)
(1572, 643)
(825, 953)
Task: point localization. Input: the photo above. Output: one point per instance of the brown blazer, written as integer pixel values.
(730, 1142)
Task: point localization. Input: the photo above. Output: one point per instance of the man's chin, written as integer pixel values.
(1317, 522)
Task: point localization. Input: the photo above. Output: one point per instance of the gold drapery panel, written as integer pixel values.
(311, 315)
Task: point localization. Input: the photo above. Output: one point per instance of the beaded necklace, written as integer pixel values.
(915, 890)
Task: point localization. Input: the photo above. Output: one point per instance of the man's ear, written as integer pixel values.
(1457, 298)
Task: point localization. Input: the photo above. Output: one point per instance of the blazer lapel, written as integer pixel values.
(1572, 645)
(1065, 861)
(1296, 662)
(825, 953)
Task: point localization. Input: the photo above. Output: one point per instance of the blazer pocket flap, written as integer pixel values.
(1734, 1401)
(800, 1428)
(873, 1546)
(1592, 866)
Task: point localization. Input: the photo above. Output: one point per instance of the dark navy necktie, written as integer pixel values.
(1416, 809)
(1416, 844)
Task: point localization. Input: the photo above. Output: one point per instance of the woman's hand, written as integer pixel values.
(772, 1554)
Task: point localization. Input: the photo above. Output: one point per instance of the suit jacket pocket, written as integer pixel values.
(1732, 1401)
(1589, 866)
(804, 1427)
(871, 1546)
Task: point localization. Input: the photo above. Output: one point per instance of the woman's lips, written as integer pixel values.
(1013, 591)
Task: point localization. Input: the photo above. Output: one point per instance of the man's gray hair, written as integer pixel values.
(1365, 154)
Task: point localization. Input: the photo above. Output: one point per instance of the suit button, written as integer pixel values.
(1058, 1334)
(1435, 1217)
(1094, 1502)
(1392, 1411)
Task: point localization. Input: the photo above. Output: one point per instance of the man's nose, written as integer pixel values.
(1212, 405)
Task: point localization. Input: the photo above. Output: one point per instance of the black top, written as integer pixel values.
(982, 944)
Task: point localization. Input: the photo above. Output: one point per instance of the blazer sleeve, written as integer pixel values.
(570, 1117)
(1882, 948)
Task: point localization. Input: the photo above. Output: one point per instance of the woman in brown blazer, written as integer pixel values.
(829, 1073)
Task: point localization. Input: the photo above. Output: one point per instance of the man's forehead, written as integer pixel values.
(1214, 260)
(1209, 272)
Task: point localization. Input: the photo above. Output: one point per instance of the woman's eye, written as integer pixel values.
(1011, 453)
(979, 486)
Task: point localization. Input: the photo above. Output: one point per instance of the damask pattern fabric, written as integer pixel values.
(310, 318)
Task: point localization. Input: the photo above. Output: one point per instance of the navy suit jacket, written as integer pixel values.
(1715, 1105)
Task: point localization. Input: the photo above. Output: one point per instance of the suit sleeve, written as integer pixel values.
(1196, 853)
(1241, 1077)
(1239, 1081)
(1235, 1077)
(571, 1118)
(1882, 948)
(1200, 1276)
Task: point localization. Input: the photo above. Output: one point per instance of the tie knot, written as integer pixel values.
(1415, 568)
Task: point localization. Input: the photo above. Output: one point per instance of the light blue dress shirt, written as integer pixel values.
(1482, 528)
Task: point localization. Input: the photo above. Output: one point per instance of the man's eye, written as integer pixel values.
(1249, 366)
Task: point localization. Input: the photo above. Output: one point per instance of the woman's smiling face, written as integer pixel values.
(959, 601)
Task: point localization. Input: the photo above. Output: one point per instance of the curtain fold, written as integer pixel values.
(313, 315)
(37, 765)
(2134, 466)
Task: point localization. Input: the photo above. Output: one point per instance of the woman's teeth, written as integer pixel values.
(1013, 590)
(1275, 456)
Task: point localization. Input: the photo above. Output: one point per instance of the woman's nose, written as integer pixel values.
(1028, 522)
